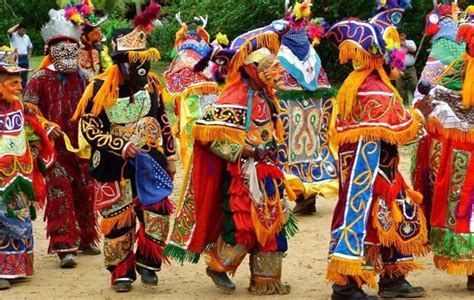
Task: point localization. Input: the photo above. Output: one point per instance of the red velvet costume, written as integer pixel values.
(70, 205)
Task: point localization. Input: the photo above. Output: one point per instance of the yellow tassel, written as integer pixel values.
(417, 197)
(396, 213)
(468, 83)
(151, 54)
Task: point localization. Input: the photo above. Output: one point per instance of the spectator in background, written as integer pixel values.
(21, 42)
(406, 84)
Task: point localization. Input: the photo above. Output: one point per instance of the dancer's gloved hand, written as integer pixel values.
(171, 168)
(55, 133)
(425, 106)
(131, 151)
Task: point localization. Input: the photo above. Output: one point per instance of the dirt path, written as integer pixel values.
(304, 268)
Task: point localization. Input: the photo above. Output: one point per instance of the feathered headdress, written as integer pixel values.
(8, 61)
(84, 13)
(60, 27)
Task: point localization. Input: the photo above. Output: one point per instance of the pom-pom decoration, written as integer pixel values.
(302, 10)
(316, 31)
(73, 15)
(222, 39)
(146, 20)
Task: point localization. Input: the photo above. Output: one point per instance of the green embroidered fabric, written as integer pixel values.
(452, 245)
(124, 112)
(228, 151)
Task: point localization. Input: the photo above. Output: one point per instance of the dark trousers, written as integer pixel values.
(24, 62)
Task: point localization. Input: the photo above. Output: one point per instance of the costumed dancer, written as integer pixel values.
(306, 101)
(191, 91)
(451, 128)
(378, 224)
(124, 120)
(25, 151)
(93, 55)
(442, 25)
(54, 90)
(233, 197)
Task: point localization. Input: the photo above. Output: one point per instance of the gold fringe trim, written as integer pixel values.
(453, 267)
(379, 133)
(206, 134)
(339, 270)
(416, 246)
(151, 54)
(400, 269)
(268, 288)
(105, 97)
(124, 219)
(434, 126)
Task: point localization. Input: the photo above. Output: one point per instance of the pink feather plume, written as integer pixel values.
(147, 17)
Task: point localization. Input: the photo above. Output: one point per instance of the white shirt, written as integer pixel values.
(410, 46)
(21, 43)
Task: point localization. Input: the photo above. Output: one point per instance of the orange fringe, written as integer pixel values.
(453, 267)
(105, 97)
(207, 134)
(401, 268)
(379, 133)
(339, 270)
(124, 219)
(434, 126)
(416, 246)
(45, 62)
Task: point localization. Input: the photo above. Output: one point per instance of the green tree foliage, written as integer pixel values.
(33, 13)
(232, 17)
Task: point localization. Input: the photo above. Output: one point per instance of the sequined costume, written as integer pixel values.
(378, 224)
(25, 151)
(451, 161)
(444, 50)
(113, 118)
(235, 205)
(71, 219)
